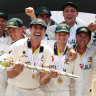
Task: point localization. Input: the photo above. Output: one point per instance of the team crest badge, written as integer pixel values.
(1, 13)
(90, 59)
(11, 23)
(63, 27)
(44, 10)
(39, 20)
(66, 61)
(83, 29)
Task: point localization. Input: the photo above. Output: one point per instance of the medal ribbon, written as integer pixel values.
(58, 65)
(85, 58)
(72, 34)
(32, 60)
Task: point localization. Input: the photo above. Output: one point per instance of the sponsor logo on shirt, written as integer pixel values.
(52, 66)
(24, 54)
(88, 66)
(90, 59)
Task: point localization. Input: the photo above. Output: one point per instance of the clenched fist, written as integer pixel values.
(30, 12)
(92, 26)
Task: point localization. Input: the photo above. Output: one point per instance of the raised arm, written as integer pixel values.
(30, 12)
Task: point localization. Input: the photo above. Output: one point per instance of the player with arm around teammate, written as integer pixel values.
(84, 63)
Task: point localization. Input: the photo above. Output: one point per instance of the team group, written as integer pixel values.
(68, 47)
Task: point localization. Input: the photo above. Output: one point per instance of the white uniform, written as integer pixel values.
(3, 82)
(83, 84)
(5, 42)
(4, 48)
(93, 39)
(51, 30)
(72, 38)
(6, 39)
(55, 87)
(24, 84)
(94, 81)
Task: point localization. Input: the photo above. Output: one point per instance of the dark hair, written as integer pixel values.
(71, 4)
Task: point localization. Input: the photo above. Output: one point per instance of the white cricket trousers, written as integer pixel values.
(57, 93)
(15, 91)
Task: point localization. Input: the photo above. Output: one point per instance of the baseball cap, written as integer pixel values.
(83, 29)
(62, 28)
(42, 10)
(71, 4)
(15, 23)
(38, 21)
(4, 15)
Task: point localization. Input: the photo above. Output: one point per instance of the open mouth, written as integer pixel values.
(37, 34)
(69, 18)
(13, 36)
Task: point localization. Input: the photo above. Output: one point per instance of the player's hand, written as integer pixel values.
(54, 73)
(18, 68)
(72, 54)
(30, 12)
(92, 26)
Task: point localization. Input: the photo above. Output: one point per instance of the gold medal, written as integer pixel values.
(33, 76)
(60, 80)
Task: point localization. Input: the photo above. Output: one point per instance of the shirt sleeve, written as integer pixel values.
(78, 81)
(94, 67)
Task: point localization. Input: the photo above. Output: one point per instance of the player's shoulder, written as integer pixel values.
(46, 46)
(20, 43)
(80, 22)
(92, 50)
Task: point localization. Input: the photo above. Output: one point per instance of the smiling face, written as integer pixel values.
(2, 25)
(37, 32)
(62, 37)
(82, 39)
(16, 33)
(70, 14)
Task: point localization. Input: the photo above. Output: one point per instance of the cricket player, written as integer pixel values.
(23, 81)
(33, 51)
(45, 14)
(5, 42)
(4, 38)
(15, 29)
(85, 62)
(59, 86)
